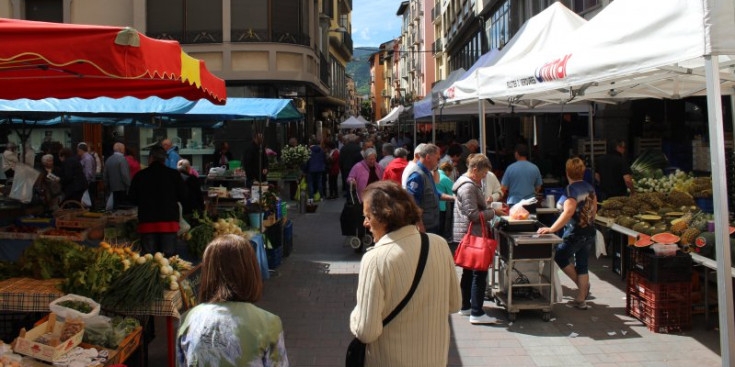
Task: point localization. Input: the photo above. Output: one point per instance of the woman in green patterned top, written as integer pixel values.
(228, 330)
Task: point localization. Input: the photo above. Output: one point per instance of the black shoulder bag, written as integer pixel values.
(356, 349)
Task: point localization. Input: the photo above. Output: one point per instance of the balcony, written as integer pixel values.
(436, 13)
(323, 69)
(262, 35)
(437, 47)
(343, 43)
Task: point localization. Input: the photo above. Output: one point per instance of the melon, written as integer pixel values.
(650, 218)
(665, 238)
(643, 241)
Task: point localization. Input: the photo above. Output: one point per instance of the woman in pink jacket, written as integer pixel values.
(365, 172)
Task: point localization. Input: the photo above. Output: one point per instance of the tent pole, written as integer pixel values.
(719, 189)
(414, 134)
(433, 126)
(481, 120)
(591, 128)
(732, 113)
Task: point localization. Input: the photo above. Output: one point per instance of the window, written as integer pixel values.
(581, 6)
(45, 10)
(249, 19)
(499, 33)
(289, 21)
(187, 21)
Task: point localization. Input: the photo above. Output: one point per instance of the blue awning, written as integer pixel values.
(175, 109)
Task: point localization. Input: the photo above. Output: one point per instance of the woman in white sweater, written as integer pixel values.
(419, 335)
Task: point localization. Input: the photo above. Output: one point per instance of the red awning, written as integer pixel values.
(41, 60)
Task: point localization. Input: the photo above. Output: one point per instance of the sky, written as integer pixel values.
(375, 22)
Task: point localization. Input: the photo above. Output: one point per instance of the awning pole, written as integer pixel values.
(591, 128)
(719, 190)
(481, 118)
(732, 113)
(433, 126)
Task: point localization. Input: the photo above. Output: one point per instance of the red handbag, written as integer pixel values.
(476, 253)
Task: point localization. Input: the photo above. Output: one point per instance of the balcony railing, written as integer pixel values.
(347, 40)
(437, 47)
(211, 36)
(262, 35)
(323, 69)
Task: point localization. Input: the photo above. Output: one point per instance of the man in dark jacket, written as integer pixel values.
(255, 169)
(349, 155)
(157, 190)
(73, 181)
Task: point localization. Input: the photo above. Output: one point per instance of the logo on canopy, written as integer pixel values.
(554, 70)
(449, 93)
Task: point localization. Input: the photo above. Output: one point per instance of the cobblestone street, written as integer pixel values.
(314, 293)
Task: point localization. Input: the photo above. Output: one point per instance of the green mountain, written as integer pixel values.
(359, 68)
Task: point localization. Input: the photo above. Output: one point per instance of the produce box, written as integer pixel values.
(122, 216)
(81, 221)
(35, 222)
(124, 350)
(13, 232)
(26, 343)
(662, 269)
(62, 234)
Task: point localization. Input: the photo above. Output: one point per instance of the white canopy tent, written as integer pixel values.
(547, 29)
(643, 49)
(391, 117)
(352, 123)
(362, 119)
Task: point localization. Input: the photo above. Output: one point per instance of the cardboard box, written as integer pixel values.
(26, 344)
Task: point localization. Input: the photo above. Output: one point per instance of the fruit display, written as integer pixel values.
(202, 234)
(666, 215)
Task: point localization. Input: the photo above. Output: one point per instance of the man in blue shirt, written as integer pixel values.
(172, 157)
(421, 184)
(522, 179)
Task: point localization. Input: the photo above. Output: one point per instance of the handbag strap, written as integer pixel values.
(419, 271)
(482, 223)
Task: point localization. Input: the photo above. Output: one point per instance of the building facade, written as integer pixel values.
(417, 66)
(262, 48)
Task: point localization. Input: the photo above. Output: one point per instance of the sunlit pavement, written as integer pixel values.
(314, 292)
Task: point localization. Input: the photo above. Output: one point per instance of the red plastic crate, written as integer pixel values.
(674, 318)
(659, 294)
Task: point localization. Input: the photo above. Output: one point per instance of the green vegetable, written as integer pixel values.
(47, 258)
(80, 306)
(136, 288)
(649, 164)
(94, 280)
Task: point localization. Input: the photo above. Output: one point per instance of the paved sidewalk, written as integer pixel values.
(315, 293)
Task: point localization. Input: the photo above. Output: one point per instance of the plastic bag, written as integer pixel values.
(106, 332)
(184, 226)
(86, 199)
(518, 211)
(110, 203)
(65, 312)
(23, 182)
(600, 245)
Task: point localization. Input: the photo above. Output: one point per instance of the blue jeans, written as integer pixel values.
(473, 285)
(578, 248)
(314, 182)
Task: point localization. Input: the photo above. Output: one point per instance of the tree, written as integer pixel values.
(366, 110)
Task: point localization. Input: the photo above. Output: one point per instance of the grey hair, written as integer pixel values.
(427, 149)
(478, 161)
(369, 152)
(419, 149)
(47, 158)
(400, 153)
(387, 148)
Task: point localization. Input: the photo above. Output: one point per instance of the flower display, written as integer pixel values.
(294, 157)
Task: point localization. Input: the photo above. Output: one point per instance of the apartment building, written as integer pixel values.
(417, 71)
(471, 28)
(262, 48)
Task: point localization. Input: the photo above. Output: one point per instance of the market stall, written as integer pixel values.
(667, 49)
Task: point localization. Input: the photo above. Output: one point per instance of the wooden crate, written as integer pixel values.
(73, 235)
(599, 147)
(642, 144)
(25, 344)
(79, 221)
(6, 235)
(127, 347)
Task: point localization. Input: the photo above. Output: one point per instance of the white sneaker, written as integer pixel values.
(483, 320)
(466, 312)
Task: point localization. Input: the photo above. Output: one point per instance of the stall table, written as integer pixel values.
(710, 265)
(34, 295)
